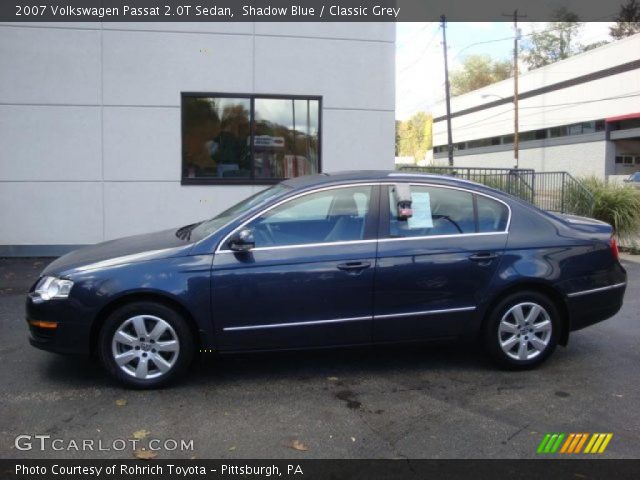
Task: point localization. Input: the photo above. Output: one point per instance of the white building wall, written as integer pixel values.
(579, 159)
(605, 97)
(90, 115)
(597, 99)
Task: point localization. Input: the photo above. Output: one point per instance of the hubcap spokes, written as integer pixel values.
(145, 347)
(525, 331)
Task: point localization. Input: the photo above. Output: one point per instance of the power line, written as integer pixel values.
(560, 106)
(418, 57)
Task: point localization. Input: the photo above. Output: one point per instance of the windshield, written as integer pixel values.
(635, 177)
(203, 229)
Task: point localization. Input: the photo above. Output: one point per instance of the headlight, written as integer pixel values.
(52, 287)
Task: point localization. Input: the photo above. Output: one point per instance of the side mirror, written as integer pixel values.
(242, 241)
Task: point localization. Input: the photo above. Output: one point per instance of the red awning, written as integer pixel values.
(619, 118)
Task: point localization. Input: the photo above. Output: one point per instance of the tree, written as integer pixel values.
(627, 21)
(414, 137)
(556, 42)
(479, 71)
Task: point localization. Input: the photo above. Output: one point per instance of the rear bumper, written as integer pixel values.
(592, 306)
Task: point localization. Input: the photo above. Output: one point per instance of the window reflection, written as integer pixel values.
(286, 138)
(218, 143)
(216, 137)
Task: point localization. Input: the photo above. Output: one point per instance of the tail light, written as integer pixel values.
(614, 248)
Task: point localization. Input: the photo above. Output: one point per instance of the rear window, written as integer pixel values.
(492, 215)
(447, 211)
(436, 211)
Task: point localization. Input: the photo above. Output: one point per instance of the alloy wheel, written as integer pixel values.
(145, 347)
(525, 331)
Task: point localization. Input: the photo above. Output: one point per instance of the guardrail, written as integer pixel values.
(552, 191)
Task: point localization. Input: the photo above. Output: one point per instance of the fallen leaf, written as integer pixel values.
(121, 402)
(298, 445)
(231, 449)
(144, 454)
(332, 379)
(140, 434)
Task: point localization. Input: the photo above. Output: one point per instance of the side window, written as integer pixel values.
(436, 211)
(492, 215)
(335, 215)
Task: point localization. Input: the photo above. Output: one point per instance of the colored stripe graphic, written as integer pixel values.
(550, 443)
(572, 443)
(598, 443)
(543, 443)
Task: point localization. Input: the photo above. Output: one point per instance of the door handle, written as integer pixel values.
(354, 265)
(483, 257)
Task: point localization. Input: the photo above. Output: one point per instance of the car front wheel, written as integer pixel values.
(522, 330)
(146, 344)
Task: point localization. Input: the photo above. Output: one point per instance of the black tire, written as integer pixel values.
(493, 337)
(122, 319)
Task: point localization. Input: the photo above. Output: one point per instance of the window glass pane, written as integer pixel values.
(507, 139)
(329, 216)
(209, 226)
(436, 211)
(286, 142)
(216, 137)
(558, 132)
(305, 159)
(492, 215)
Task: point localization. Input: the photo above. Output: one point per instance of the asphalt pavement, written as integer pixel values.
(434, 401)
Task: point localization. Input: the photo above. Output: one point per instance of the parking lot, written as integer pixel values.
(436, 401)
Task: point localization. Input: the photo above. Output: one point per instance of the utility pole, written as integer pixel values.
(516, 133)
(443, 24)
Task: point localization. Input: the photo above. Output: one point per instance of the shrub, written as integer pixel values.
(616, 204)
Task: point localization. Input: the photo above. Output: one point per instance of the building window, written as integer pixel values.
(249, 139)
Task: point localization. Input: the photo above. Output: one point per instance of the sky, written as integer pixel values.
(420, 59)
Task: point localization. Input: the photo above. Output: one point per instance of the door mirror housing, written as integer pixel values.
(242, 240)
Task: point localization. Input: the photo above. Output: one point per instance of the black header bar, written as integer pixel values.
(592, 469)
(296, 10)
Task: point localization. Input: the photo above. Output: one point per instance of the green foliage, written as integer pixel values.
(556, 42)
(627, 21)
(414, 136)
(616, 204)
(479, 71)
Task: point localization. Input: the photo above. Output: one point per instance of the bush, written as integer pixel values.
(616, 204)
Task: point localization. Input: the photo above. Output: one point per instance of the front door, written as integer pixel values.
(309, 279)
(434, 268)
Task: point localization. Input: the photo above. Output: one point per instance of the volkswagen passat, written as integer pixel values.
(333, 260)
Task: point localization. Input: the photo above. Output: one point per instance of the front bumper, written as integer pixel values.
(72, 334)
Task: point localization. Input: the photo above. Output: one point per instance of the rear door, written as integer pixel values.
(433, 270)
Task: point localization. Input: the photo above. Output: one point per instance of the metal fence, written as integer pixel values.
(552, 191)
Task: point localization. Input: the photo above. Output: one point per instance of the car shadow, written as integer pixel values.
(214, 370)
(76, 372)
(339, 362)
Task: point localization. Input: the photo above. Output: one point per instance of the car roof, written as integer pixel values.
(330, 178)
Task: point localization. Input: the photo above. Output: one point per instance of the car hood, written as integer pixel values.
(126, 250)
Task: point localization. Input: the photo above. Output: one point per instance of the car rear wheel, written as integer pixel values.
(522, 330)
(146, 344)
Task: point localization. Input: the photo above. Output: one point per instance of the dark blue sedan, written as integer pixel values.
(343, 259)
